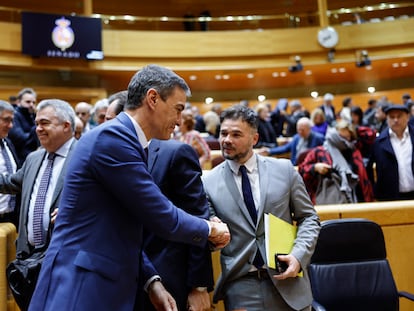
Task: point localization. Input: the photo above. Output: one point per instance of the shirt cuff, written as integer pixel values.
(209, 227)
(150, 281)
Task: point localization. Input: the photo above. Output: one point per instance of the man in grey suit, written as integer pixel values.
(246, 283)
(55, 126)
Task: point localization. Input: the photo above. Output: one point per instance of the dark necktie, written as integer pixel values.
(38, 234)
(247, 194)
(249, 202)
(9, 167)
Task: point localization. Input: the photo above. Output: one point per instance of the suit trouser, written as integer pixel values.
(250, 293)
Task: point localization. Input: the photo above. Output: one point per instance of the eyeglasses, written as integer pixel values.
(6, 120)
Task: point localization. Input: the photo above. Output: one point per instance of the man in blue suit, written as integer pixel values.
(304, 140)
(186, 271)
(109, 197)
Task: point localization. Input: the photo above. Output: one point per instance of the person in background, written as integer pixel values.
(381, 117)
(365, 134)
(338, 154)
(329, 109)
(406, 99)
(117, 103)
(304, 140)
(345, 113)
(23, 134)
(393, 157)
(267, 135)
(99, 111)
(186, 271)
(83, 111)
(369, 113)
(318, 120)
(13, 101)
(245, 282)
(193, 138)
(200, 125)
(78, 128)
(296, 112)
(277, 116)
(9, 203)
(55, 126)
(94, 260)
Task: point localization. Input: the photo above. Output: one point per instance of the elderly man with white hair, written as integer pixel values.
(304, 140)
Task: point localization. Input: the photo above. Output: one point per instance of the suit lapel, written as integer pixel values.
(153, 149)
(235, 193)
(61, 178)
(263, 184)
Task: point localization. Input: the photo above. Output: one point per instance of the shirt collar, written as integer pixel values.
(64, 149)
(250, 164)
(140, 133)
(406, 133)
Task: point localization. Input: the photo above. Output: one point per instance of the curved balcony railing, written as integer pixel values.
(345, 16)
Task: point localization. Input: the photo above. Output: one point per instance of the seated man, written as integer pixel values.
(304, 140)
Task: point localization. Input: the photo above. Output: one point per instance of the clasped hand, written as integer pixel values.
(219, 235)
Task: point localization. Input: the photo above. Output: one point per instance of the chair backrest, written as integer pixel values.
(349, 269)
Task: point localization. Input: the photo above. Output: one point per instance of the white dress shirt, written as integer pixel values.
(403, 149)
(58, 163)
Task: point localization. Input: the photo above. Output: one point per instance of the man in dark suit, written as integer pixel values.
(394, 157)
(23, 134)
(329, 109)
(55, 128)
(93, 261)
(9, 163)
(304, 140)
(186, 271)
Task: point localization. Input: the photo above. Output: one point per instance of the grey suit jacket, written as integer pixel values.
(284, 195)
(22, 182)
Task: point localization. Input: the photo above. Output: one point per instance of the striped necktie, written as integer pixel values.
(38, 232)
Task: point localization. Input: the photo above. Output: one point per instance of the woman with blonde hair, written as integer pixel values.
(319, 121)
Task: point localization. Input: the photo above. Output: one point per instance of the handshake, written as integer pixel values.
(219, 234)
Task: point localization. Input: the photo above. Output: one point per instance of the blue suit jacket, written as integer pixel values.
(93, 260)
(315, 139)
(176, 170)
(386, 187)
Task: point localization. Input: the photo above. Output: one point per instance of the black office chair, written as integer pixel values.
(349, 270)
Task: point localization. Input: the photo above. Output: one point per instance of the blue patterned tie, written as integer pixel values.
(249, 202)
(9, 167)
(38, 234)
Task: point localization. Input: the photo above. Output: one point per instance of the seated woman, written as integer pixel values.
(319, 122)
(193, 138)
(338, 154)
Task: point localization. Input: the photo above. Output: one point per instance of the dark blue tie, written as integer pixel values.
(9, 167)
(249, 202)
(247, 194)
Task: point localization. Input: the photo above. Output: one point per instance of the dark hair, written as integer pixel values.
(346, 101)
(358, 111)
(372, 102)
(242, 112)
(121, 97)
(26, 90)
(163, 80)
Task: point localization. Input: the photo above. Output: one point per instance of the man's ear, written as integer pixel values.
(152, 97)
(255, 138)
